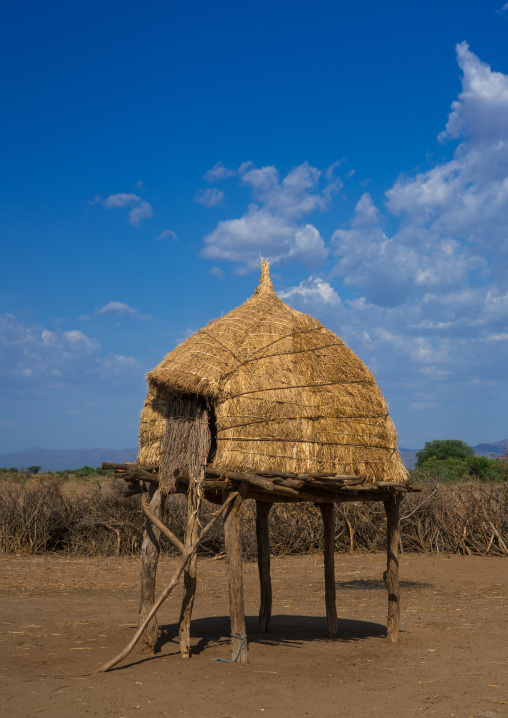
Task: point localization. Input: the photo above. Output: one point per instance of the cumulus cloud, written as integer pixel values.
(259, 231)
(426, 303)
(167, 234)
(480, 111)
(217, 272)
(272, 224)
(139, 209)
(452, 218)
(117, 309)
(209, 197)
(219, 172)
(121, 309)
(37, 361)
(312, 290)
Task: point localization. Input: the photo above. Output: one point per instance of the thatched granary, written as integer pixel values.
(263, 403)
(281, 392)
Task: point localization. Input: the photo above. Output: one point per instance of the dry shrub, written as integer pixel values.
(464, 518)
(33, 518)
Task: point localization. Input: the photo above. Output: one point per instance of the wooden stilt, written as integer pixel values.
(265, 582)
(239, 649)
(187, 554)
(190, 572)
(391, 575)
(328, 514)
(150, 550)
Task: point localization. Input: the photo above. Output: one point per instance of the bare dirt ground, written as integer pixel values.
(62, 618)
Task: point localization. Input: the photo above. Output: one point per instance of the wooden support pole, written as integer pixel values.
(187, 554)
(391, 575)
(150, 550)
(328, 514)
(158, 523)
(239, 649)
(265, 581)
(190, 572)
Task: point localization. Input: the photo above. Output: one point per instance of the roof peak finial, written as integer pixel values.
(265, 283)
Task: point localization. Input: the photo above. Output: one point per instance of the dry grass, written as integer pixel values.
(463, 518)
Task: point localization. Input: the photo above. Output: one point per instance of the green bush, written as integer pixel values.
(478, 468)
(85, 471)
(443, 449)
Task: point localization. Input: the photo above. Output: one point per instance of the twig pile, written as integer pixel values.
(468, 518)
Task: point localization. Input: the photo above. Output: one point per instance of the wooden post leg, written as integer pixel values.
(265, 582)
(328, 514)
(190, 573)
(235, 579)
(391, 575)
(150, 550)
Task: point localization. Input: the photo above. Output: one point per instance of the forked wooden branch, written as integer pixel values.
(187, 554)
(157, 522)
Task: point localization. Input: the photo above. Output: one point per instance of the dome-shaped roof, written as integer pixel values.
(287, 393)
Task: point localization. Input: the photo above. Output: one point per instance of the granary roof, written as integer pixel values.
(288, 394)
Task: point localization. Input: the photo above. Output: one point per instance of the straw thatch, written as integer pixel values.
(285, 394)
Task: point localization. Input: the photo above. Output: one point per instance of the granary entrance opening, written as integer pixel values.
(212, 424)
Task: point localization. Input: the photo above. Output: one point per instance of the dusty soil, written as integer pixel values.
(62, 618)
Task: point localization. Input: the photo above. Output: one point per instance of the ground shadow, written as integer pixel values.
(372, 584)
(287, 630)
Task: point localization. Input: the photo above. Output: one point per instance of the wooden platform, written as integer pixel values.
(229, 489)
(269, 486)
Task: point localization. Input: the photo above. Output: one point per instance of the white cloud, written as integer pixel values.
(480, 111)
(118, 309)
(313, 289)
(428, 301)
(423, 405)
(219, 172)
(209, 197)
(167, 234)
(259, 231)
(273, 224)
(37, 361)
(139, 208)
(452, 218)
(217, 272)
(292, 198)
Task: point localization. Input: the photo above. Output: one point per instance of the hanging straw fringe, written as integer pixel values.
(186, 441)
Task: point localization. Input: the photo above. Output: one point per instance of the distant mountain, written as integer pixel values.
(408, 457)
(61, 459)
(497, 448)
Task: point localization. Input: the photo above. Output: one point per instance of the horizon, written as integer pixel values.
(149, 160)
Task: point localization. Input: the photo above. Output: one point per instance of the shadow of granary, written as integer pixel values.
(290, 630)
(372, 584)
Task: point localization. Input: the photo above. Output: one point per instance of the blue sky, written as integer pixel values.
(150, 154)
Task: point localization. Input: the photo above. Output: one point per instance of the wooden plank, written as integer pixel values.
(265, 582)
(289, 483)
(328, 515)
